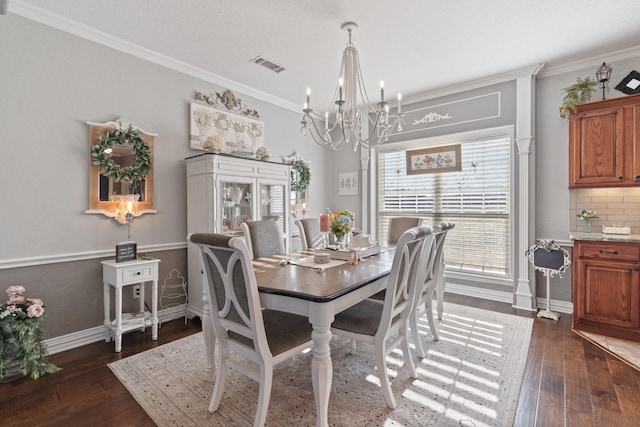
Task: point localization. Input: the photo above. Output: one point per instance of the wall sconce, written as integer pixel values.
(603, 75)
(127, 210)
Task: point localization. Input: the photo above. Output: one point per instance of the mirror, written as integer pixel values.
(125, 160)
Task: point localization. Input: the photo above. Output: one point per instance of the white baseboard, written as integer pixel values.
(88, 336)
(472, 291)
(500, 296)
(556, 305)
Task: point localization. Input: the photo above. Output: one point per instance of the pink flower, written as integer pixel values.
(14, 308)
(11, 290)
(15, 299)
(35, 310)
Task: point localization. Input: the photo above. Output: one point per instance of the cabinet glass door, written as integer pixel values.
(273, 203)
(237, 204)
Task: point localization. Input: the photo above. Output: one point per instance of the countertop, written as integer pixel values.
(599, 237)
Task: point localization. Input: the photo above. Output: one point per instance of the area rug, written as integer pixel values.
(470, 377)
(626, 351)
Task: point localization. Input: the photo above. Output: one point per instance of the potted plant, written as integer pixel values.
(576, 94)
(22, 349)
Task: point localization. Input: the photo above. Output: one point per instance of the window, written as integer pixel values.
(477, 199)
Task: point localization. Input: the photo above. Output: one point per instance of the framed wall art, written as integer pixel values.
(223, 132)
(630, 85)
(348, 183)
(434, 160)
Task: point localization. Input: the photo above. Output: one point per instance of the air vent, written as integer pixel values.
(270, 65)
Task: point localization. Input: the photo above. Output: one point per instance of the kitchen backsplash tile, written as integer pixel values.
(620, 206)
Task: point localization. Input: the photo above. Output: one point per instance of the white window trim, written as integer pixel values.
(461, 137)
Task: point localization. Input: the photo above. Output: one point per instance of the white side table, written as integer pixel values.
(123, 274)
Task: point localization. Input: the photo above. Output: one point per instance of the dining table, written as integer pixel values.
(317, 292)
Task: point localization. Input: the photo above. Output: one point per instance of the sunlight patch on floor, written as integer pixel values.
(435, 390)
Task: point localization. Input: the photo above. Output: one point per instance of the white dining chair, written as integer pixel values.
(428, 282)
(446, 227)
(399, 225)
(263, 338)
(264, 238)
(310, 234)
(386, 325)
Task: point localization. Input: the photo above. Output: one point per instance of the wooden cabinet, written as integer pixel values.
(606, 288)
(604, 144)
(222, 192)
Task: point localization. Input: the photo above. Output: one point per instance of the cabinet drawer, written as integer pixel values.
(612, 251)
(137, 274)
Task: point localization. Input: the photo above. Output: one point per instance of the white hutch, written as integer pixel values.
(222, 192)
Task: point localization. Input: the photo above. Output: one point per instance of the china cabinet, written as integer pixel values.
(224, 191)
(604, 144)
(606, 288)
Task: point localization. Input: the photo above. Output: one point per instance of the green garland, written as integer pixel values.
(108, 167)
(300, 176)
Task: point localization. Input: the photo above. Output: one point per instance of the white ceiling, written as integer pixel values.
(415, 46)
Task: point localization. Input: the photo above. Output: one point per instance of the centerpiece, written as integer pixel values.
(22, 349)
(341, 224)
(587, 216)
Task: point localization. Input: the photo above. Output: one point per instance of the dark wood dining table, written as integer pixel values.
(318, 294)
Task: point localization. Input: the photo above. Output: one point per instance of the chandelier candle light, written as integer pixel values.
(348, 114)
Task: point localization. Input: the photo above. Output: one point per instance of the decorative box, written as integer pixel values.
(616, 229)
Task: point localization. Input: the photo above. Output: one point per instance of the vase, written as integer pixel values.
(342, 240)
(236, 194)
(12, 369)
(587, 226)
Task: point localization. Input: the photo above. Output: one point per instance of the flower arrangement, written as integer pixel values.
(341, 223)
(214, 143)
(263, 153)
(587, 215)
(22, 336)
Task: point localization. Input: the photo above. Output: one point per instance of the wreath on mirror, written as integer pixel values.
(300, 175)
(101, 154)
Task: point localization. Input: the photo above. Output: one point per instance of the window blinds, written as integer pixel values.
(477, 199)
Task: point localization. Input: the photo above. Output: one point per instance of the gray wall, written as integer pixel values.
(553, 210)
(51, 83)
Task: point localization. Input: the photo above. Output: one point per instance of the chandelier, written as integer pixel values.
(355, 120)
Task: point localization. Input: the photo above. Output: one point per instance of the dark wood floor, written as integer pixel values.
(567, 381)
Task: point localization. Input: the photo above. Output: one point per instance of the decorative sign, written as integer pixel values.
(434, 160)
(127, 251)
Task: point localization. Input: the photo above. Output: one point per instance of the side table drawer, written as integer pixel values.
(137, 274)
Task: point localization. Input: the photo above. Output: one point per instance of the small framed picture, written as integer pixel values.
(434, 160)
(126, 251)
(630, 84)
(348, 183)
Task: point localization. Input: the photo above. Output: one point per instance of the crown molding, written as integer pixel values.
(530, 71)
(594, 61)
(61, 23)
